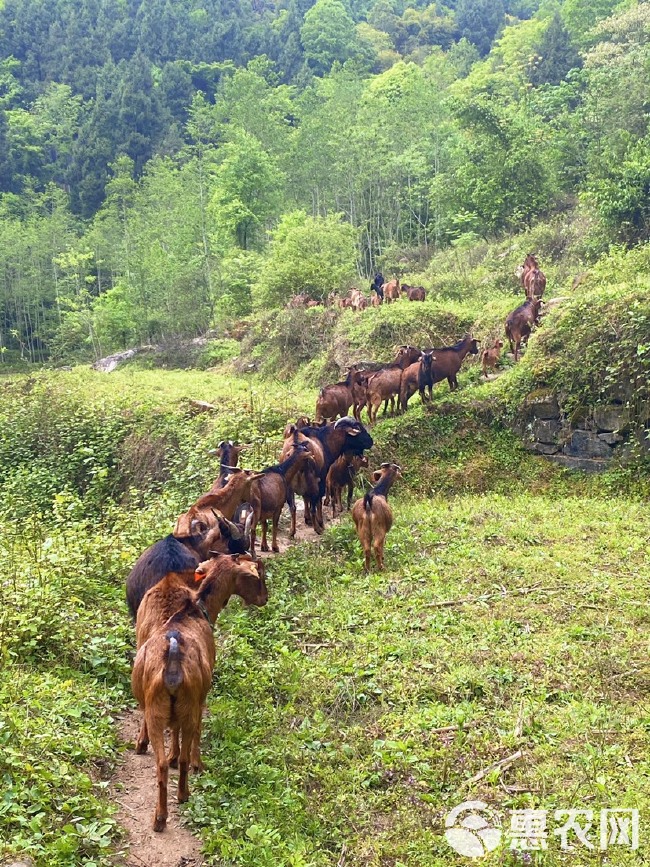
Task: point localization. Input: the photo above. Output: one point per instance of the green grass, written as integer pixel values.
(320, 745)
(320, 730)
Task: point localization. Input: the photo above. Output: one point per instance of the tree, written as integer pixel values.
(328, 35)
(248, 188)
(307, 254)
(479, 21)
(556, 54)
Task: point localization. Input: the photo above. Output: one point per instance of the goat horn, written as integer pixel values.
(248, 526)
(233, 529)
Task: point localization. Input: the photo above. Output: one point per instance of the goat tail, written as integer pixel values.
(173, 676)
(367, 501)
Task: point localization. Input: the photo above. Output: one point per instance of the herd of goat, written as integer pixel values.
(179, 585)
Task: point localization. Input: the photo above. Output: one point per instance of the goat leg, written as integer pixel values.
(187, 741)
(264, 546)
(175, 751)
(195, 751)
(276, 520)
(291, 502)
(143, 738)
(156, 733)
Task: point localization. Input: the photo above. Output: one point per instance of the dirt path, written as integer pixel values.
(134, 790)
(133, 786)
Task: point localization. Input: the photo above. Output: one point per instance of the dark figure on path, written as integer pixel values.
(376, 285)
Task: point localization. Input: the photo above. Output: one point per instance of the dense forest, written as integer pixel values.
(166, 167)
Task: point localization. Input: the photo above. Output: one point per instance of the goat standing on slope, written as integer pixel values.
(373, 516)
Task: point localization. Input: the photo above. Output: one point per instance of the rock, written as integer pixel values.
(585, 465)
(108, 364)
(543, 404)
(546, 430)
(612, 417)
(610, 438)
(543, 448)
(585, 444)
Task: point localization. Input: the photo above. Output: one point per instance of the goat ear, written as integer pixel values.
(376, 475)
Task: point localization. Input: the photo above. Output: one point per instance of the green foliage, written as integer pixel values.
(595, 346)
(307, 254)
(478, 21)
(328, 35)
(622, 195)
(557, 54)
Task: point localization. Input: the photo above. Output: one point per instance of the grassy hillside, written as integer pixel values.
(320, 733)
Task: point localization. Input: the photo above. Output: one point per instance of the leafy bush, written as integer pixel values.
(308, 254)
(595, 346)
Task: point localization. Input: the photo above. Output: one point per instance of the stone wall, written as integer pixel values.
(587, 441)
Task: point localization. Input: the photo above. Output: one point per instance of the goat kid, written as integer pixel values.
(343, 472)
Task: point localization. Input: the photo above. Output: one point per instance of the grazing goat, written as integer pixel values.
(327, 443)
(447, 362)
(172, 672)
(384, 385)
(414, 293)
(417, 377)
(391, 291)
(335, 400)
(489, 357)
(272, 490)
(520, 323)
(343, 472)
(372, 515)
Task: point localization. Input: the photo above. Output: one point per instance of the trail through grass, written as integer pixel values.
(513, 613)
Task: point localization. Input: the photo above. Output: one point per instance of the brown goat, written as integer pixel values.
(177, 554)
(414, 293)
(446, 363)
(272, 490)
(490, 356)
(341, 473)
(416, 377)
(229, 453)
(172, 672)
(226, 499)
(391, 291)
(306, 483)
(534, 283)
(327, 443)
(520, 323)
(372, 515)
(335, 400)
(384, 385)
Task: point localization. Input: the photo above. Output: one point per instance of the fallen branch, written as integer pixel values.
(497, 766)
(486, 597)
(444, 729)
(519, 725)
